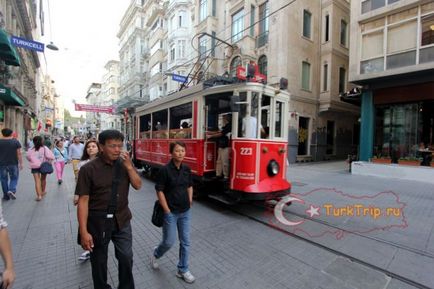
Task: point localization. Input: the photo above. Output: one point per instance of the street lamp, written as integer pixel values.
(52, 46)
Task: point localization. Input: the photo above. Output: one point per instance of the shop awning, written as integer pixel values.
(10, 97)
(7, 52)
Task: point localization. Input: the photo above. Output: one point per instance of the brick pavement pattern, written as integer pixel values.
(227, 251)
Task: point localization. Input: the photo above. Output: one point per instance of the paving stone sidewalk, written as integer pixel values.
(227, 251)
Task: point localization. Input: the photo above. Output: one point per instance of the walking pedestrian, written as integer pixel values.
(175, 193)
(8, 275)
(61, 158)
(10, 163)
(36, 156)
(103, 212)
(90, 153)
(75, 151)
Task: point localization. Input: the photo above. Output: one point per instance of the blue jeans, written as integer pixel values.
(171, 222)
(9, 178)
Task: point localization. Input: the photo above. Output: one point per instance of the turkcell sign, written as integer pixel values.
(27, 44)
(179, 78)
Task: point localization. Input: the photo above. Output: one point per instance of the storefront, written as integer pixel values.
(404, 118)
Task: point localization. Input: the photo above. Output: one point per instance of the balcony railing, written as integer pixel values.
(262, 39)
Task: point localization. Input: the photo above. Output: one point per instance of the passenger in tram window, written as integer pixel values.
(174, 188)
(222, 168)
(249, 126)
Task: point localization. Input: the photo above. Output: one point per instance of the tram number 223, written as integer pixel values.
(246, 151)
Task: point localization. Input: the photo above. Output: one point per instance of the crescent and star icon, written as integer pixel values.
(278, 211)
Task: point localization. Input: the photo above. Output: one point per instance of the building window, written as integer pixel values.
(234, 64)
(325, 77)
(262, 64)
(203, 9)
(307, 24)
(252, 20)
(237, 25)
(263, 25)
(401, 45)
(326, 28)
(202, 47)
(427, 30)
(305, 76)
(372, 52)
(342, 79)
(181, 48)
(344, 31)
(213, 43)
(172, 53)
(214, 8)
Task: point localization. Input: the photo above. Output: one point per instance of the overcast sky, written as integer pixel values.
(85, 32)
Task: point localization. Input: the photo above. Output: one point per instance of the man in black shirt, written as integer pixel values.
(10, 164)
(175, 193)
(222, 166)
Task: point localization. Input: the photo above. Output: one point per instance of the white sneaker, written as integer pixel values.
(84, 256)
(186, 276)
(12, 195)
(153, 261)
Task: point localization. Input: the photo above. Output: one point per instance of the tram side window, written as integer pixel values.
(159, 124)
(145, 126)
(181, 121)
(278, 129)
(265, 116)
(246, 123)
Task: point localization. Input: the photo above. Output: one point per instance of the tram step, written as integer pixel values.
(224, 199)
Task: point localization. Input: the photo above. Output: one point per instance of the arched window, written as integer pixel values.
(234, 64)
(262, 64)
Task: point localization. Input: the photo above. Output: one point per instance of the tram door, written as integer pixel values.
(217, 115)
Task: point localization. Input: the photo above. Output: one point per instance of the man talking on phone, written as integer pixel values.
(103, 212)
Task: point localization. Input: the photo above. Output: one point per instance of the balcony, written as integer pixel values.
(262, 39)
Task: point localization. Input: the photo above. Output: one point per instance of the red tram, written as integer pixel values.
(257, 141)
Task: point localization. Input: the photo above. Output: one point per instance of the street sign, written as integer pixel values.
(27, 44)
(94, 108)
(179, 78)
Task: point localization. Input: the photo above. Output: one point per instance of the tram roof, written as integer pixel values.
(253, 86)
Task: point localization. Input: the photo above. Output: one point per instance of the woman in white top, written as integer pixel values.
(90, 152)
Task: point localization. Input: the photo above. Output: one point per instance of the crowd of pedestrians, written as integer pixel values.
(103, 172)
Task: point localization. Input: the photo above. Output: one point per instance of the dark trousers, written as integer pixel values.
(123, 242)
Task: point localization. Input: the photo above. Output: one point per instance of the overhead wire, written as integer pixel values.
(190, 61)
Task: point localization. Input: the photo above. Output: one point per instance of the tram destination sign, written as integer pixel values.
(93, 108)
(27, 44)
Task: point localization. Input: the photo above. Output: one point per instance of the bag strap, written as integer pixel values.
(60, 152)
(45, 157)
(116, 180)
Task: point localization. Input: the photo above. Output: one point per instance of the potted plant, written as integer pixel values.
(381, 160)
(409, 161)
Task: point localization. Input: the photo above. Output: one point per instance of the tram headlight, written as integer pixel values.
(273, 168)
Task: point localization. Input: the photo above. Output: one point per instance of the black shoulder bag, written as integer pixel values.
(157, 214)
(100, 224)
